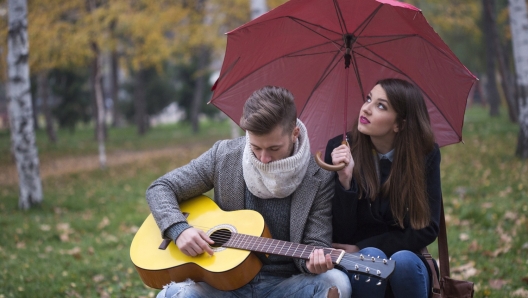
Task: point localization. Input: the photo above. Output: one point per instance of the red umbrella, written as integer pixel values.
(307, 45)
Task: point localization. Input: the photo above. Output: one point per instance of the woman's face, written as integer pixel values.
(377, 118)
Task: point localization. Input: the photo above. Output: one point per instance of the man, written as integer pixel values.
(270, 170)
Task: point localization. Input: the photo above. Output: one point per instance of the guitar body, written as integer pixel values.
(227, 269)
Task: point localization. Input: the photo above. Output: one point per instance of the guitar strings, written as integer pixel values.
(225, 235)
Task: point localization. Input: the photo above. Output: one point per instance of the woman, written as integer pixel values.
(387, 199)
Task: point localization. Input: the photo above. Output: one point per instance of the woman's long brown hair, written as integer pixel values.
(406, 185)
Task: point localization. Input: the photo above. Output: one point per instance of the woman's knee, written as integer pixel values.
(408, 261)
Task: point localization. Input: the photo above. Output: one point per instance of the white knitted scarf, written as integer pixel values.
(280, 178)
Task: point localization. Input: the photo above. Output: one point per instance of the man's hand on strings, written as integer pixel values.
(319, 262)
(193, 242)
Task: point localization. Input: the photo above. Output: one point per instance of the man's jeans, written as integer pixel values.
(267, 285)
(410, 278)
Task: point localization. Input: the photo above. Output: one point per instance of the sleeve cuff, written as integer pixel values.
(353, 186)
(174, 231)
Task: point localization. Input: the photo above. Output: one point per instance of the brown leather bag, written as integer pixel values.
(446, 287)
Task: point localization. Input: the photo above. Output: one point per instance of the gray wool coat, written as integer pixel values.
(221, 168)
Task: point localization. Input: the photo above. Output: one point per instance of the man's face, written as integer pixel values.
(273, 146)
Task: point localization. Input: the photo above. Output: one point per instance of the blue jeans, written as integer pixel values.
(410, 278)
(267, 285)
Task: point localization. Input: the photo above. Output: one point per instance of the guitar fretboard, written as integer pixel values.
(276, 247)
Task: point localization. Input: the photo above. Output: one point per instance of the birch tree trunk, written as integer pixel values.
(98, 90)
(258, 8)
(20, 107)
(519, 28)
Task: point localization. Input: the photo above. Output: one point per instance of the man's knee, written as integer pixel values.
(340, 283)
(180, 289)
(333, 292)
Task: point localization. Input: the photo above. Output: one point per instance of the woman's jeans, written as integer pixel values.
(267, 285)
(410, 278)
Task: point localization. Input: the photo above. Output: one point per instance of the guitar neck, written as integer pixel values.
(352, 262)
(277, 247)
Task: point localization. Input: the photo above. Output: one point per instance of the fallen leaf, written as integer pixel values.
(463, 237)
(473, 247)
(45, 227)
(104, 222)
(521, 293)
(486, 205)
(498, 251)
(498, 283)
(510, 215)
(464, 271)
(98, 278)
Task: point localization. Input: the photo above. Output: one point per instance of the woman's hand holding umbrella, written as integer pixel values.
(342, 156)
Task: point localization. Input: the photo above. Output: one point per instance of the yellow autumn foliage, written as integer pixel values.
(145, 33)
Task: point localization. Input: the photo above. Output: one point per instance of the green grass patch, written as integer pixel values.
(76, 244)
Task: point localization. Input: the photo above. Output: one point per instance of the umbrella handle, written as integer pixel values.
(324, 165)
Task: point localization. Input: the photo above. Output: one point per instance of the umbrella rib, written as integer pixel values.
(324, 75)
(367, 21)
(394, 38)
(283, 56)
(303, 23)
(340, 18)
(228, 69)
(358, 77)
(310, 54)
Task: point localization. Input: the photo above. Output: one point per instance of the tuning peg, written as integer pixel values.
(367, 270)
(384, 261)
(356, 267)
(379, 283)
(368, 280)
(356, 277)
(378, 273)
(373, 259)
(361, 257)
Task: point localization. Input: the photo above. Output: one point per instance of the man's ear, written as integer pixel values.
(296, 132)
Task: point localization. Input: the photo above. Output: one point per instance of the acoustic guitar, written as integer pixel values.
(237, 234)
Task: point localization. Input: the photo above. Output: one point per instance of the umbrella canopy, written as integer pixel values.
(302, 45)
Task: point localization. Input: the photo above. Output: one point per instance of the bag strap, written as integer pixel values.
(436, 284)
(442, 252)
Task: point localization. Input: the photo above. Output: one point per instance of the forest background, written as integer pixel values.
(151, 54)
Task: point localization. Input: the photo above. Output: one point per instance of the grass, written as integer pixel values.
(76, 244)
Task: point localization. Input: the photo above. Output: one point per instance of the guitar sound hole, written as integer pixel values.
(220, 237)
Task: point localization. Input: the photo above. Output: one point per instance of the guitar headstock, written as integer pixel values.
(367, 265)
